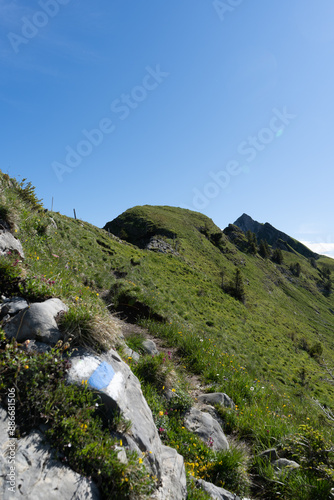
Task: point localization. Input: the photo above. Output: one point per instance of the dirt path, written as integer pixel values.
(196, 386)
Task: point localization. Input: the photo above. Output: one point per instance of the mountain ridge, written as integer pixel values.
(273, 236)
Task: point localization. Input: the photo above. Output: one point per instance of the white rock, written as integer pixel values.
(121, 390)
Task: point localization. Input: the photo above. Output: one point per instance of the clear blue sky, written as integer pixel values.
(222, 107)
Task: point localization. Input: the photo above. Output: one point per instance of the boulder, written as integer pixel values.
(206, 428)
(214, 491)
(37, 474)
(120, 390)
(10, 244)
(150, 347)
(216, 398)
(37, 322)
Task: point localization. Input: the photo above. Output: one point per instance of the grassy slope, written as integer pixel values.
(282, 314)
(266, 334)
(266, 341)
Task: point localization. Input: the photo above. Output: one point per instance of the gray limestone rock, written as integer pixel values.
(10, 244)
(37, 322)
(216, 398)
(214, 491)
(37, 474)
(120, 390)
(207, 428)
(173, 479)
(150, 347)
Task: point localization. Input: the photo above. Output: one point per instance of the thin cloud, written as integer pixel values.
(321, 247)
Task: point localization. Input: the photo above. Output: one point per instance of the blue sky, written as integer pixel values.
(223, 107)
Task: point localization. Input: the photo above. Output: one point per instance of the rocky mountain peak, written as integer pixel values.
(246, 223)
(273, 236)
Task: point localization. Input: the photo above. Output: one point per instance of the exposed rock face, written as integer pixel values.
(160, 245)
(207, 429)
(120, 389)
(37, 474)
(273, 236)
(246, 223)
(37, 322)
(9, 244)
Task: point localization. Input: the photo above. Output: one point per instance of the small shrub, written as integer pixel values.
(26, 191)
(152, 370)
(313, 262)
(181, 402)
(311, 450)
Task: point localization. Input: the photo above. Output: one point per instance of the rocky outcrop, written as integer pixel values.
(37, 474)
(10, 244)
(36, 322)
(160, 245)
(120, 390)
(207, 429)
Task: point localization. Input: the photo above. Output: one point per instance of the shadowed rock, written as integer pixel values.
(37, 322)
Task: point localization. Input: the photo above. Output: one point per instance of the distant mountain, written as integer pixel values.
(273, 236)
